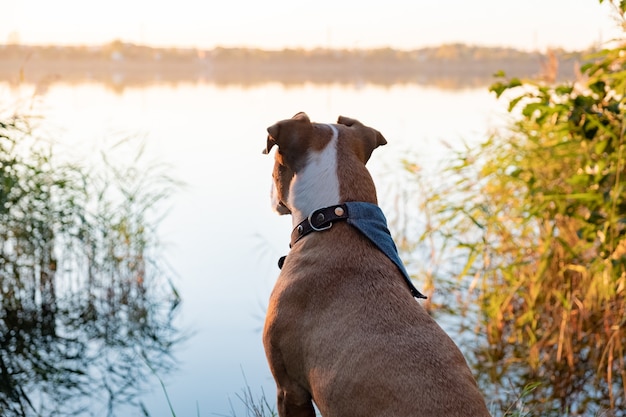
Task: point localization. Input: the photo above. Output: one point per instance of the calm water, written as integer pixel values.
(220, 236)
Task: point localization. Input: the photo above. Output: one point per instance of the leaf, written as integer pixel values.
(498, 88)
(601, 146)
(580, 179)
(584, 101)
(586, 67)
(599, 87)
(613, 107)
(591, 196)
(531, 108)
(564, 90)
(514, 103)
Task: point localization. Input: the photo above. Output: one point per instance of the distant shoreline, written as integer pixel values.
(120, 65)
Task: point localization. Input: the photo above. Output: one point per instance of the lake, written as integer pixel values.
(220, 236)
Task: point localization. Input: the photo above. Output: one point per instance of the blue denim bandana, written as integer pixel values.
(369, 219)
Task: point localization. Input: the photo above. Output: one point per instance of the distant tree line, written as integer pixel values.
(451, 65)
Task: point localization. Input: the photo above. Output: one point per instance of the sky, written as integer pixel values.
(278, 24)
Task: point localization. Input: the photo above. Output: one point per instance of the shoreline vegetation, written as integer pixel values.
(119, 65)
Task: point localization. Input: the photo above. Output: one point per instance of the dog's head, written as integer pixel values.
(318, 165)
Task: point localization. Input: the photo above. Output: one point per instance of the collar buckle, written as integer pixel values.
(318, 221)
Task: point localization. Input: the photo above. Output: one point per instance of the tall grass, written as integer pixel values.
(84, 296)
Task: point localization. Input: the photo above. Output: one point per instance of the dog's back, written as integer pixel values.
(364, 346)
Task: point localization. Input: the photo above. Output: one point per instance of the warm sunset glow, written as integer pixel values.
(275, 24)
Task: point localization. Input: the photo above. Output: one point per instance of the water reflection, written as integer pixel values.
(87, 313)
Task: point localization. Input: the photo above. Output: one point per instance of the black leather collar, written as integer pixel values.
(319, 220)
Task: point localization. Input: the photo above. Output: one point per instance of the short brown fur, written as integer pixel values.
(342, 328)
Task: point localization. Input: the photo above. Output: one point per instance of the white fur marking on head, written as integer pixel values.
(317, 185)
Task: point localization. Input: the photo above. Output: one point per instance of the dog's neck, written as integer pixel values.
(317, 184)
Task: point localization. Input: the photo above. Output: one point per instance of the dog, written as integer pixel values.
(343, 328)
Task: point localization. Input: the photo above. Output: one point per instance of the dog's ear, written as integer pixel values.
(347, 121)
(274, 132)
(301, 116)
(270, 143)
(370, 138)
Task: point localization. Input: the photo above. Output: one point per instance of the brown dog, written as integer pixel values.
(343, 328)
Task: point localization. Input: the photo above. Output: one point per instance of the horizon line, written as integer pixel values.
(301, 48)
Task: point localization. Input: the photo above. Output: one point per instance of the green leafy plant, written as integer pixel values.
(533, 225)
